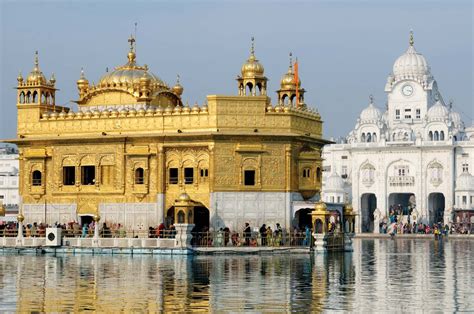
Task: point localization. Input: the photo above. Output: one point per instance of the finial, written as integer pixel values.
(82, 73)
(412, 41)
(131, 40)
(371, 99)
(36, 58)
(107, 69)
(53, 78)
(450, 104)
(177, 78)
(291, 59)
(252, 49)
(436, 96)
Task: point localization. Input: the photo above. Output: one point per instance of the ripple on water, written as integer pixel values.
(380, 275)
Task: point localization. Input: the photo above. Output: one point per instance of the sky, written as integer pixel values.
(345, 49)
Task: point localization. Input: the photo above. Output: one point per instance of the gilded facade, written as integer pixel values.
(132, 147)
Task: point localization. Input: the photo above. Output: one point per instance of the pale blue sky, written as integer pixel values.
(345, 49)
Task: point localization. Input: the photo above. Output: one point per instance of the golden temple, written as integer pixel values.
(132, 147)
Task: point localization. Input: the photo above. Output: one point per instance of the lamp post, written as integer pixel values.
(95, 241)
(19, 236)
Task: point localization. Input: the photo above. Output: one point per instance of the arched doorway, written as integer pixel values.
(436, 204)
(401, 203)
(85, 219)
(303, 218)
(201, 218)
(368, 203)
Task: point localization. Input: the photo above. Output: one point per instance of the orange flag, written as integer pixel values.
(296, 82)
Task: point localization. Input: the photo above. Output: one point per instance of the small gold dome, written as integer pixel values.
(184, 197)
(20, 217)
(82, 81)
(36, 76)
(320, 206)
(96, 217)
(19, 78)
(288, 80)
(52, 80)
(178, 89)
(252, 67)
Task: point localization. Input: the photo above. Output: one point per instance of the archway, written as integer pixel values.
(85, 219)
(303, 218)
(436, 204)
(201, 218)
(402, 203)
(368, 203)
(169, 219)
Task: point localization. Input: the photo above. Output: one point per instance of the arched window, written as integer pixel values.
(139, 176)
(22, 98)
(36, 178)
(318, 174)
(441, 136)
(362, 138)
(436, 136)
(28, 97)
(35, 97)
(430, 135)
(43, 98)
(259, 86)
(374, 137)
(369, 138)
(249, 89)
(306, 172)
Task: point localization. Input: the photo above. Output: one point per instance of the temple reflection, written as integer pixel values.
(377, 275)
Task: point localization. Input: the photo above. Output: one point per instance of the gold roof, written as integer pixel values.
(131, 73)
(36, 76)
(252, 67)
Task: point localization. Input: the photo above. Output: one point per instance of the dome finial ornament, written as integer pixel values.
(36, 60)
(131, 40)
(252, 48)
(291, 60)
(371, 99)
(412, 41)
(82, 73)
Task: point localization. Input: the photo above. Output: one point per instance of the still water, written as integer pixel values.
(380, 275)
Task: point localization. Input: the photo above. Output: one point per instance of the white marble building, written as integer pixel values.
(417, 153)
(9, 166)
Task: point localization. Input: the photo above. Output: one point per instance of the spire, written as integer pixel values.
(36, 61)
(82, 73)
(131, 40)
(290, 69)
(371, 99)
(412, 41)
(252, 48)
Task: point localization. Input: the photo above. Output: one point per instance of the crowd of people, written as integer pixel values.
(263, 236)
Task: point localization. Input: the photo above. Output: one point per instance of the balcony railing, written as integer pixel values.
(401, 180)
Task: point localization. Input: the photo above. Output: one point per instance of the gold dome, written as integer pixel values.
(20, 217)
(252, 67)
(36, 76)
(177, 88)
(131, 73)
(348, 208)
(320, 206)
(288, 80)
(82, 80)
(20, 78)
(184, 197)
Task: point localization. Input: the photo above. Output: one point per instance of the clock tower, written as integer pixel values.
(411, 90)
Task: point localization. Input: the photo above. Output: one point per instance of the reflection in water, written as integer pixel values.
(380, 275)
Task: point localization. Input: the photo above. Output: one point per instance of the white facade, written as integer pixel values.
(9, 166)
(409, 155)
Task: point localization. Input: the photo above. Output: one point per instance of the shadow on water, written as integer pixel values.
(414, 274)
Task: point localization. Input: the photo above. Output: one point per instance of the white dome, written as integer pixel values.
(410, 65)
(371, 113)
(334, 183)
(465, 182)
(456, 118)
(437, 112)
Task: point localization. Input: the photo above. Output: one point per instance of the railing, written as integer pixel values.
(334, 241)
(253, 239)
(79, 233)
(401, 180)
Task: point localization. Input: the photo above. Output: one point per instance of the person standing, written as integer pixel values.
(263, 234)
(247, 233)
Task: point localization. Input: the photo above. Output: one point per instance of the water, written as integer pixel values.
(380, 275)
